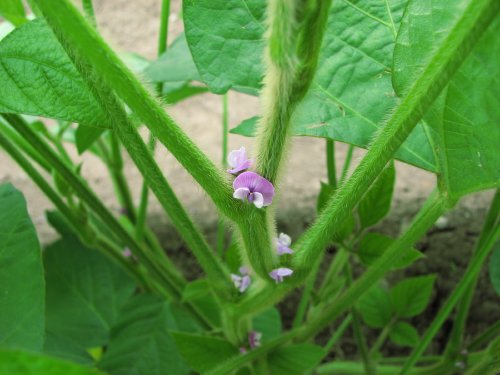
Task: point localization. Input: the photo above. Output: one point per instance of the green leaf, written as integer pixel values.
(60, 347)
(175, 65)
(247, 128)
(268, 323)
(86, 136)
(203, 353)
(494, 269)
(39, 79)
(373, 245)
(375, 307)
(84, 291)
(195, 290)
(141, 342)
(463, 122)
(23, 363)
(376, 203)
(325, 193)
(13, 11)
(411, 296)
(295, 359)
(227, 52)
(176, 95)
(21, 275)
(352, 92)
(404, 334)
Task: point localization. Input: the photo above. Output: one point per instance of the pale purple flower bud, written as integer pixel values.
(283, 243)
(241, 282)
(254, 338)
(243, 350)
(251, 187)
(238, 161)
(280, 273)
(127, 253)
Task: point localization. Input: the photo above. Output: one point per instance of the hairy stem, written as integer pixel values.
(88, 44)
(162, 47)
(221, 228)
(455, 342)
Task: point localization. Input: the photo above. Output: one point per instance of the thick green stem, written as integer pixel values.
(88, 44)
(221, 228)
(432, 210)
(356, 326)
(330, 163)
(162, 47)
(420, 97)
(470, 275)
(455, 343)
(82, 229)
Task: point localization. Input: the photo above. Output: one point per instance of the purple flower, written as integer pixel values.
(279, 273)
(254, 188)
(283, 243)
(254, 338)
(241, 282)
(238, 161)
(127, 253)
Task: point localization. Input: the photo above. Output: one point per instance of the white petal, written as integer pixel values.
(284, 239)
(241, 193)
(258, 199)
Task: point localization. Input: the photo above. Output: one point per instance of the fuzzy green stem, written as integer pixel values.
(420, 97)
(221, 230)
(432, 210)
(356, 326)
(162, 47)
(88, 44)
(470, 275)
(455, 342)
(84, 232)
(336, 266)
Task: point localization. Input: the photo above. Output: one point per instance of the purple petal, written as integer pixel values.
(254, 338)
(238, 161)
(284, 239)
(284, 250)
(279, 273)
(245, 283)
(241, 193)
(237, 280)
(255, 183)
(127, 253)
(244, 270)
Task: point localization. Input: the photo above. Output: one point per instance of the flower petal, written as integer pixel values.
(258, 200)
(284, 250)
(266, 188)
(245, 283)
(284, 239)
(246, 180)
(241, 193)
(279, 273)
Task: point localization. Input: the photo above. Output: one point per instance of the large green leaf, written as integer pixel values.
(84, 291)
(203, 353)
(268, 323)
(38, 78)
(13, 11)
(141, 343)
(464, 121)
(23, 363)
(352, 94)
(295, 359)
(411, 296)
(225, 39)
(175, 65)
(21, 275)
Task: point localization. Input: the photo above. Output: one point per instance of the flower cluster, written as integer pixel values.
(255, 189)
